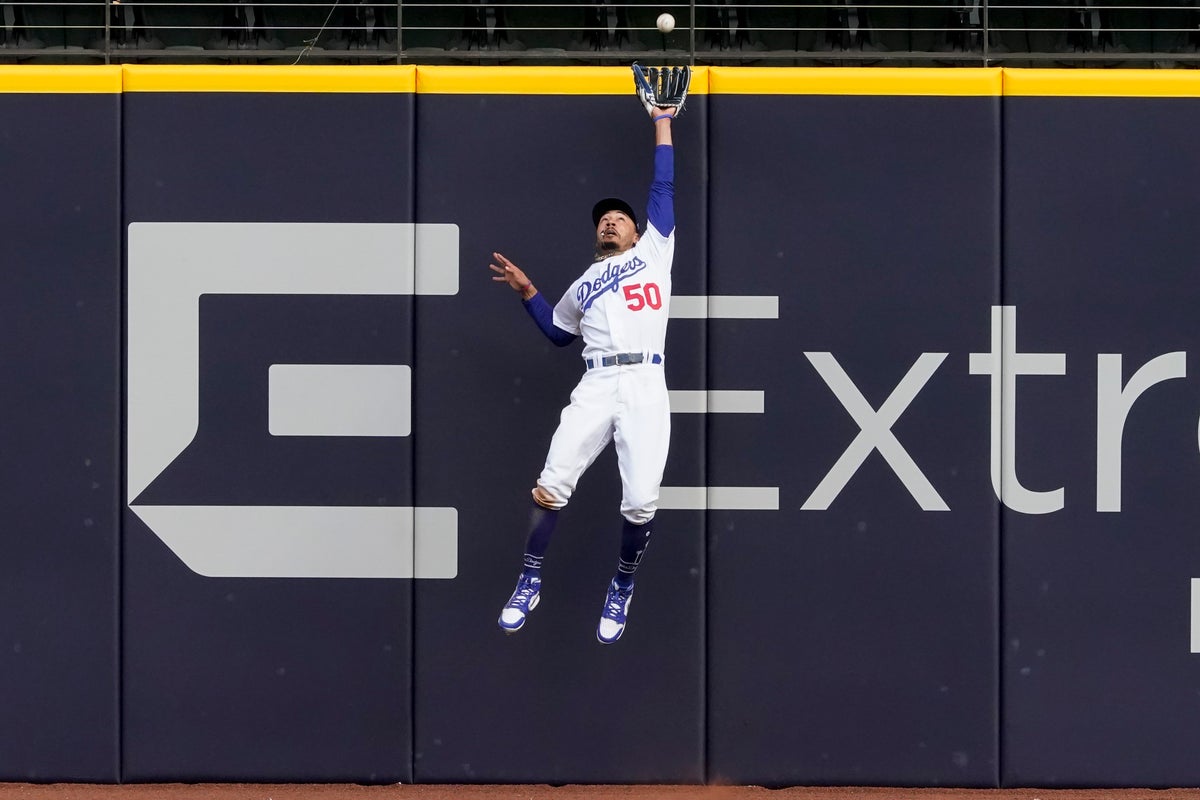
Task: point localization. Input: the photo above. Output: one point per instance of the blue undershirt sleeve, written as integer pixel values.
(543, 314)
(660, 208)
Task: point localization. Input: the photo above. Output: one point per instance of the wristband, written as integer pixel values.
(664, 116)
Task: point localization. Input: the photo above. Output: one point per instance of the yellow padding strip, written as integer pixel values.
(60, 79)
(48, 79)
(343, 79)
(1101, 83)
(855, 81)
(537, 80)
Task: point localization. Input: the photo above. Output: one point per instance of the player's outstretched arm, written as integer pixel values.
(540, 310)
(660, 205)
(662, 126)
(662, 92)
(511, 274)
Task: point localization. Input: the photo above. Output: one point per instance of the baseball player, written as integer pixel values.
(620, 307)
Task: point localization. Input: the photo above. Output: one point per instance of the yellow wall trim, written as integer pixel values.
(1101, 83)
(856, 81)
(337, 79)
(45, 79)
(598, 80)
(537, 80)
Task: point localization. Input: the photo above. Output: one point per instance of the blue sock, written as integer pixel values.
(541, 528)
(634, 539)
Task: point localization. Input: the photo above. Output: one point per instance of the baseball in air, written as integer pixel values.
(666, 23)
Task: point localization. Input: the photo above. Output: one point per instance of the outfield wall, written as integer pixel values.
(270, 429)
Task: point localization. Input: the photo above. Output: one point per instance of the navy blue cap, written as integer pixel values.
(612, 204)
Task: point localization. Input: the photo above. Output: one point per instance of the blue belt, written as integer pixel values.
(620, 359)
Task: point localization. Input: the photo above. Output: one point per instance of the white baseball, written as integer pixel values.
(666, 23)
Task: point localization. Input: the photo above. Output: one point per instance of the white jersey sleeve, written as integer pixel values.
(659, 249)
(567, 313)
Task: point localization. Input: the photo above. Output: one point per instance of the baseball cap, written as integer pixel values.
(612, 204)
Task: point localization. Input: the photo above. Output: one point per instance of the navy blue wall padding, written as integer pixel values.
(854, 645)
(270, 679)
(550, 704)
(60, 354)
(1099, 198)
(833, 593)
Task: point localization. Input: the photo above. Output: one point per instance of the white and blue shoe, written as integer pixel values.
(524, 599)
(616, 608)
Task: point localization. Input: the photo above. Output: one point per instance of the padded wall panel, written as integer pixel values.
(852, 628)
(519, 174)
(239, 674)
(60, 355)
(1099, 670)
(821, 623)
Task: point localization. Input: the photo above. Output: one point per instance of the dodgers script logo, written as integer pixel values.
(589, 291)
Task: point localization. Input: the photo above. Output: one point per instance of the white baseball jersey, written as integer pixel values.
(621, 304)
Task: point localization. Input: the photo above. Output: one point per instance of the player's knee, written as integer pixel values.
(545, 499)
(640, 515)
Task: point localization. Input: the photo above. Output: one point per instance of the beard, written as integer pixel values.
(603, 249)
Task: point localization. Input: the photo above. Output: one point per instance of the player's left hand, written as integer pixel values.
(510, 273)
(662, 88)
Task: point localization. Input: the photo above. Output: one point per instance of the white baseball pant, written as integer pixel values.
(627, 405)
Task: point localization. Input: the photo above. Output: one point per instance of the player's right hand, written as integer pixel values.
(510, 273)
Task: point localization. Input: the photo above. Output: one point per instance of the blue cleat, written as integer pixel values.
(524, 599)
(616, 608)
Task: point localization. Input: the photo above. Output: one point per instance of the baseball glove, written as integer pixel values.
(662, 87)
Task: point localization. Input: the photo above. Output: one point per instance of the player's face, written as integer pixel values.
(616, 233)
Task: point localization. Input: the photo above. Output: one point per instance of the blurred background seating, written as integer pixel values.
(1165, 34)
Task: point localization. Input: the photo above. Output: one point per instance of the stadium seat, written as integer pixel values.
(484, 28)
(847, 26)
(960, 29)
(726, 25)
(428, 29)
(245, 26)
(606, 27)
(1176, 29)
(362, 27)
(182, 29)
(1089, 29)
(18, 37)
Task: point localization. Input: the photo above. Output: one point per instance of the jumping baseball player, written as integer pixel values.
(620, 307)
